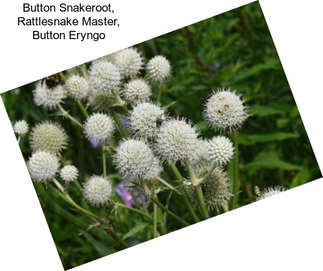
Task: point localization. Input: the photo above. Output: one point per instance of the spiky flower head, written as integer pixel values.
(158, 68)
(136, 90)
(99, 126)
(21, 127)
(48, 136)
(145, 119)
(216, 188)
(202, 157)
(177, 141)
(129, 62)
(220, 150)
(69, 173)
(104, 76)
(97, 190)
(270, 191)
(135, 160)
(42, 166)
(49, 98)
(77, 87)
(225, 110)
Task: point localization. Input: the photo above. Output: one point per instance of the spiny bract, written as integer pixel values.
(177, 141)
(48, 136)
(97, 190)
(42, 166)
(225, 110)
(145, 119)
(99, 126)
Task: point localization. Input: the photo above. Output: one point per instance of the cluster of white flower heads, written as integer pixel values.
(77, 87)
(220, 150)
(104, 76)
(99, 126)
(69, 173)
(42, 166)
(97, 190)
(136, 91)
(135, 160)
(216, 188)
(48, 98)
(177, 141)
(21, 127)
(129, 62)
(48, 136)
(158, 68)
(225, 110)
(270, 191)
(145, 119)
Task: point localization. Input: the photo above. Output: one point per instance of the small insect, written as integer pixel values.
(204, 98)
(256, 190)
(159, 122)
(51, 81)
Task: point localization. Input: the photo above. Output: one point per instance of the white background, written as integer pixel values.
(280, 233)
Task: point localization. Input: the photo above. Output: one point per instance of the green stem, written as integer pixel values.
(81, 106)
(236, 181)
(133, 210)
(19, 138)
(63, 77)
(160, 90)
(104, 162)
(155, 214)
(193, 178)
(169, 212)
(168, 185)
(202, 202)
(209, 173)
(67, 115)
(183, 192)
(124, 133)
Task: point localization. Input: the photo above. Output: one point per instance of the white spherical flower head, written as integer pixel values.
(134, 159)
(21, 127)
(129, 62)
(225, 110)
(145, 119)
(158, 68)
(270, 191)
(69, 173)
(177, 141)
(104, 76)
(42, 166)
(48, 136)
(77, 87)
(97, 190)
(48, 98)
(136, 90)
(99, 126)
(154, 171)
(220, 150)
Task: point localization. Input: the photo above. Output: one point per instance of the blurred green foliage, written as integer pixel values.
(233, 50)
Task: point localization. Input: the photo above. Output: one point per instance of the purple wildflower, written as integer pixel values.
(125, 194)
(124, 123)
(95, 143)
